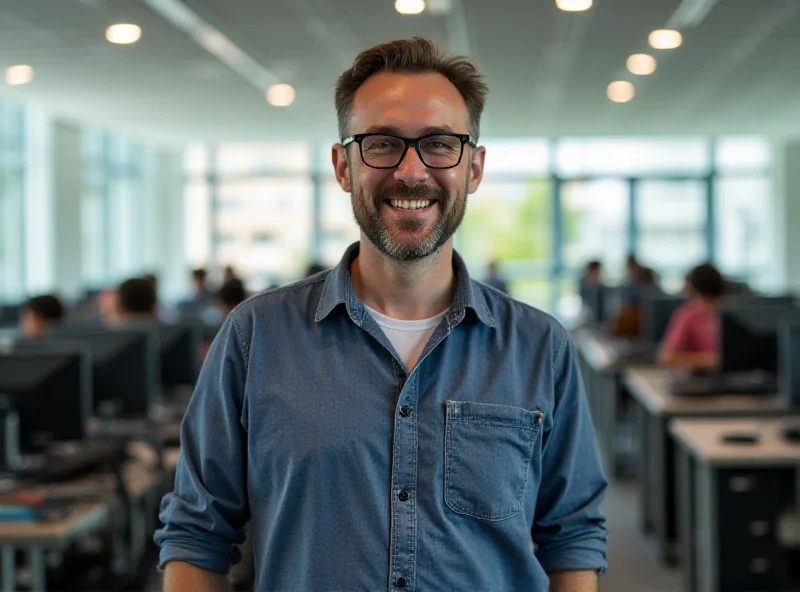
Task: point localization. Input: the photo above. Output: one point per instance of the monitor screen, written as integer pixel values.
(125, 367)
(51, 390)
(10, 315)
(749, 337)
(657, 312)
(180, 353)
(789, 363)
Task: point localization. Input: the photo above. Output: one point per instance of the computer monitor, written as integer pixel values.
(749, 337)
(125, 367)
(745, 301)
(50, 388)
(657, 312)
(10, 315)
(789, 364)
(601, 302)
(180, 354)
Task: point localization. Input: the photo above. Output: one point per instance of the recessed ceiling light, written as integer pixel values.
(574, 5)
(621, 91)
(123, 33)
(409, 6)
(280, 95)
(641, 64)
(665, 39)
(17, 75)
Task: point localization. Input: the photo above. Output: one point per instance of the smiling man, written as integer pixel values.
(392, 424)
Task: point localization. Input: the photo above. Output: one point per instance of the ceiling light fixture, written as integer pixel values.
(641, 64)
(574, 5)
(409, 6)
(621, 91)
(665, 39)
(18, 75)
(280, 95)
(123, 33)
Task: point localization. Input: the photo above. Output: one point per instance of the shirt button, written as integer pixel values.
(400, 583)
(405, 411)
(403, 495)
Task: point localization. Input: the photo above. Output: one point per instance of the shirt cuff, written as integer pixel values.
(588, 556)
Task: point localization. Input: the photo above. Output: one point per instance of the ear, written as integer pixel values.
(341, 167)
(477, 158)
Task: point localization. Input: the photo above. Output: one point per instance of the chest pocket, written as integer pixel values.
(488, 450)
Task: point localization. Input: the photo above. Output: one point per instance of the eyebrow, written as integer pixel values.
(388, 129)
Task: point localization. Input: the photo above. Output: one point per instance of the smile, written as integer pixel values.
(418, 204)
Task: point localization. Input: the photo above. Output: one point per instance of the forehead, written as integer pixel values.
(408, 102)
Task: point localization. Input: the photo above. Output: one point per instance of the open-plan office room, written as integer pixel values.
(179, 296)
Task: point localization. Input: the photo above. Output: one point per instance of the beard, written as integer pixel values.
(408, 240)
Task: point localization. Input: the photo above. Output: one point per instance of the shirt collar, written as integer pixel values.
(338, 289)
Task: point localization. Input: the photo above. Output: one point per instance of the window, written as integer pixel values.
(742, 226)
(262, 228)
(671, 218)
(743, 154)
(576, 157)
(511, 223)
(339, 228)
(12, 193)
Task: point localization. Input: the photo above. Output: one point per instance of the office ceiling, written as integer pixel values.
(737, 72)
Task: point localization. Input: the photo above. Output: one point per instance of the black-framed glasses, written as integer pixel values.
(436, 151)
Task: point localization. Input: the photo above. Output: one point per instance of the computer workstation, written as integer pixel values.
(749, 348)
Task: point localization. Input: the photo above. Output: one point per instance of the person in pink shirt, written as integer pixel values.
(692, 338)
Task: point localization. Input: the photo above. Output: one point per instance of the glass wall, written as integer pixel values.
(544, 209)
(12, 193)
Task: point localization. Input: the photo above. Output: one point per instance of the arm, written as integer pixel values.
(205, 514)
(179, 576)
(573, 581)
(568, 528)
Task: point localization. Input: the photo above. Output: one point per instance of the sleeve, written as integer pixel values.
(204, 516)
(568, 528)
(677, 334)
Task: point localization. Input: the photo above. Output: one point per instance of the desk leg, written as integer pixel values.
(707, 552)
(36, 566)
(686, 518)
(661, 487)
(9, 569)
(640, 435)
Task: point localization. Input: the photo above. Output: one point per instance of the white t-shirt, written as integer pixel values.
(408, 338)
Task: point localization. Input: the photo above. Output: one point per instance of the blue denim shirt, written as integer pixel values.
(358, 475)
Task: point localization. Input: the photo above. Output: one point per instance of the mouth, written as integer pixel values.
(410, 205)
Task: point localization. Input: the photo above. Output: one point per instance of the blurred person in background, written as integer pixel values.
(493, 278)
(314, 269)
(133, 302)
(201, 294)
(39, 314)
(230, 295)
(228, 274)
(591, 278)
(692, 337)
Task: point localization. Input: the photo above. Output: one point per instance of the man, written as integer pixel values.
(39, 314)
(230, 295)
(493, 278)
(392, 424)
(201, 295)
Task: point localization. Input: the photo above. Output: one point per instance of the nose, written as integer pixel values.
(411, 171)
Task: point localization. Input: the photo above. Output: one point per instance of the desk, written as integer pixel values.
(654, 407)
(601, 368)
(144, 486)
(731, 498)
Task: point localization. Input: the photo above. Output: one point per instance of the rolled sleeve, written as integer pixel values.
(569, 529)
(205, 514)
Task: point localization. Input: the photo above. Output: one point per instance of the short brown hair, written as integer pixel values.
(414, 55)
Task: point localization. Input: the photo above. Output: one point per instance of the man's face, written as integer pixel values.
(386, 202)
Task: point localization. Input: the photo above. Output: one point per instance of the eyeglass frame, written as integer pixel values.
(359, 138)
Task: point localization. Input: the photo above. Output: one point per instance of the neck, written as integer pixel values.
(405, 290)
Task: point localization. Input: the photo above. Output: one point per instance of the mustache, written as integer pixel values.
(418, 192)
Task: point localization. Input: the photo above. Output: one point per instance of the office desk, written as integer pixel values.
(601, 368)
(654, 407)
(731, 497)
(143, 485)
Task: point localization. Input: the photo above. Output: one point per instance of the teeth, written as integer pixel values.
(410, 205)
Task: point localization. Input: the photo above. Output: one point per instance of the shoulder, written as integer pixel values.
(517, 320)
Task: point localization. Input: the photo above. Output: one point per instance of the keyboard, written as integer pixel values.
(68, 461)
(744, 383)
